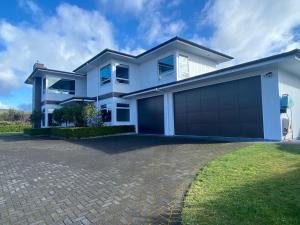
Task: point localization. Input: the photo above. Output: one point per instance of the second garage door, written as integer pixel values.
(231, 109)
(151, 115)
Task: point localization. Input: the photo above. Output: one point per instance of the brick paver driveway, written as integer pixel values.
(111, 181)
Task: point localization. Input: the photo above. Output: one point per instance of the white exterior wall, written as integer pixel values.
(197, 65)
(290, 84)
(169, 114)
(271, 106)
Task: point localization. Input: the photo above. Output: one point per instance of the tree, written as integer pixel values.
(91, 116)
(36, 118)
(57, 116)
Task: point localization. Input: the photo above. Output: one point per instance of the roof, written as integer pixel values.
(295, 52)
(153, 49)
(36, 70)
(78, 99)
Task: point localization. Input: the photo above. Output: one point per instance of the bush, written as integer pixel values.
(6, 127)
(37, 131)
(80, 132)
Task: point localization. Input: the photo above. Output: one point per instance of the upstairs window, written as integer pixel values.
(165, 66)
(105, 74)
(183, 62)
(105, 113)
(123, 112)
(61, 86)
(122, 74)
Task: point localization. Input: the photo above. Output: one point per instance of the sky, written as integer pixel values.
(65, 34)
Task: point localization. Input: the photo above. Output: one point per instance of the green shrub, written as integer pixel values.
(37, 131)
(80, 132)
(6, 127)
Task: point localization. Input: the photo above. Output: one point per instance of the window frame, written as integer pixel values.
(52, 91)
(108, 80)
(123, 79)
(122, 106)
(107, 108)
(167, 73)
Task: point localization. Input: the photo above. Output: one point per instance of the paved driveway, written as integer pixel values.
(110, 181)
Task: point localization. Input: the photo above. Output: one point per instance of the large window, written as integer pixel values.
(123, 112)
(166, 66)
(122, 74)
(61, 86)
(105, 113)
(105, 74)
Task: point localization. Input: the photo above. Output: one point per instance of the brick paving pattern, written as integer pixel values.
(109, 181)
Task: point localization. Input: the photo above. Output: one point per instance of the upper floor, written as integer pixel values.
(119, 73)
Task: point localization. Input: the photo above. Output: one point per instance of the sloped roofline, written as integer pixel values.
(153, 49)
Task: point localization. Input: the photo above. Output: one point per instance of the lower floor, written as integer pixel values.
(51, 181)
(247, 105)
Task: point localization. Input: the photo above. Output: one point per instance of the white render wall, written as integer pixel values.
(271, 106)
(290, 84)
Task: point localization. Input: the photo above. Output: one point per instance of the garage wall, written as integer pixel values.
(290, 84)
(232, 109)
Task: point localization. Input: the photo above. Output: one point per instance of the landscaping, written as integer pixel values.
(80, 132)
(259, 184)
(13, 127)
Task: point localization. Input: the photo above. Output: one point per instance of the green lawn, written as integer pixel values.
(259, 184)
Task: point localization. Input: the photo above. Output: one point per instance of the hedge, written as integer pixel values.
(6, 127)
(80, 132)
(37, 131)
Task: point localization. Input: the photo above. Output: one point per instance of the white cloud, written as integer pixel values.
(62, 41)
(30, 6)
(132, 6)
(251, 29)
(154, 25)
(4, 106)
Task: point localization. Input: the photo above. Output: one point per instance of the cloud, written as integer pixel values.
(252, 29)
(4, 106)
(30, 6)
(154, 23)
(62, 41)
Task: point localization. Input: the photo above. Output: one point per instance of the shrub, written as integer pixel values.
(80, 132)
(36, 118)
(37, 131)
(6, 127)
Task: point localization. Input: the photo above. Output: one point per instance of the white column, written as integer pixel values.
(168, 114)
(271, 106)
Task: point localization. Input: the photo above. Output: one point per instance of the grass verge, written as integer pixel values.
(259, 184)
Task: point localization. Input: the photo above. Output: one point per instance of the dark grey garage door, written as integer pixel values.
(231, 109)
(151, 115)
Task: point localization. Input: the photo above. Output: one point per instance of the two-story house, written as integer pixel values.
(175, 88)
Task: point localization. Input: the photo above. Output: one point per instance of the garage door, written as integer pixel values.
(151, 115)
(231, 109)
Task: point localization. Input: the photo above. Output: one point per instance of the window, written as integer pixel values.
(165, 66)
(122, 74)
(183, 62)
(105, 74)
(61, 86)
(43, 117)
(50, 120)
(105, 113)
(123, 112)
(44, 85)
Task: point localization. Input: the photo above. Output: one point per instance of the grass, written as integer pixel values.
(259, 184)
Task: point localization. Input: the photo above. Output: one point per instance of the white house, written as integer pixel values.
(175, 88)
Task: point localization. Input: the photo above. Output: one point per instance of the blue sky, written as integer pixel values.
(64, 34)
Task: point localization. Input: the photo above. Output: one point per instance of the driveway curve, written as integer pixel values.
(112, 180)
